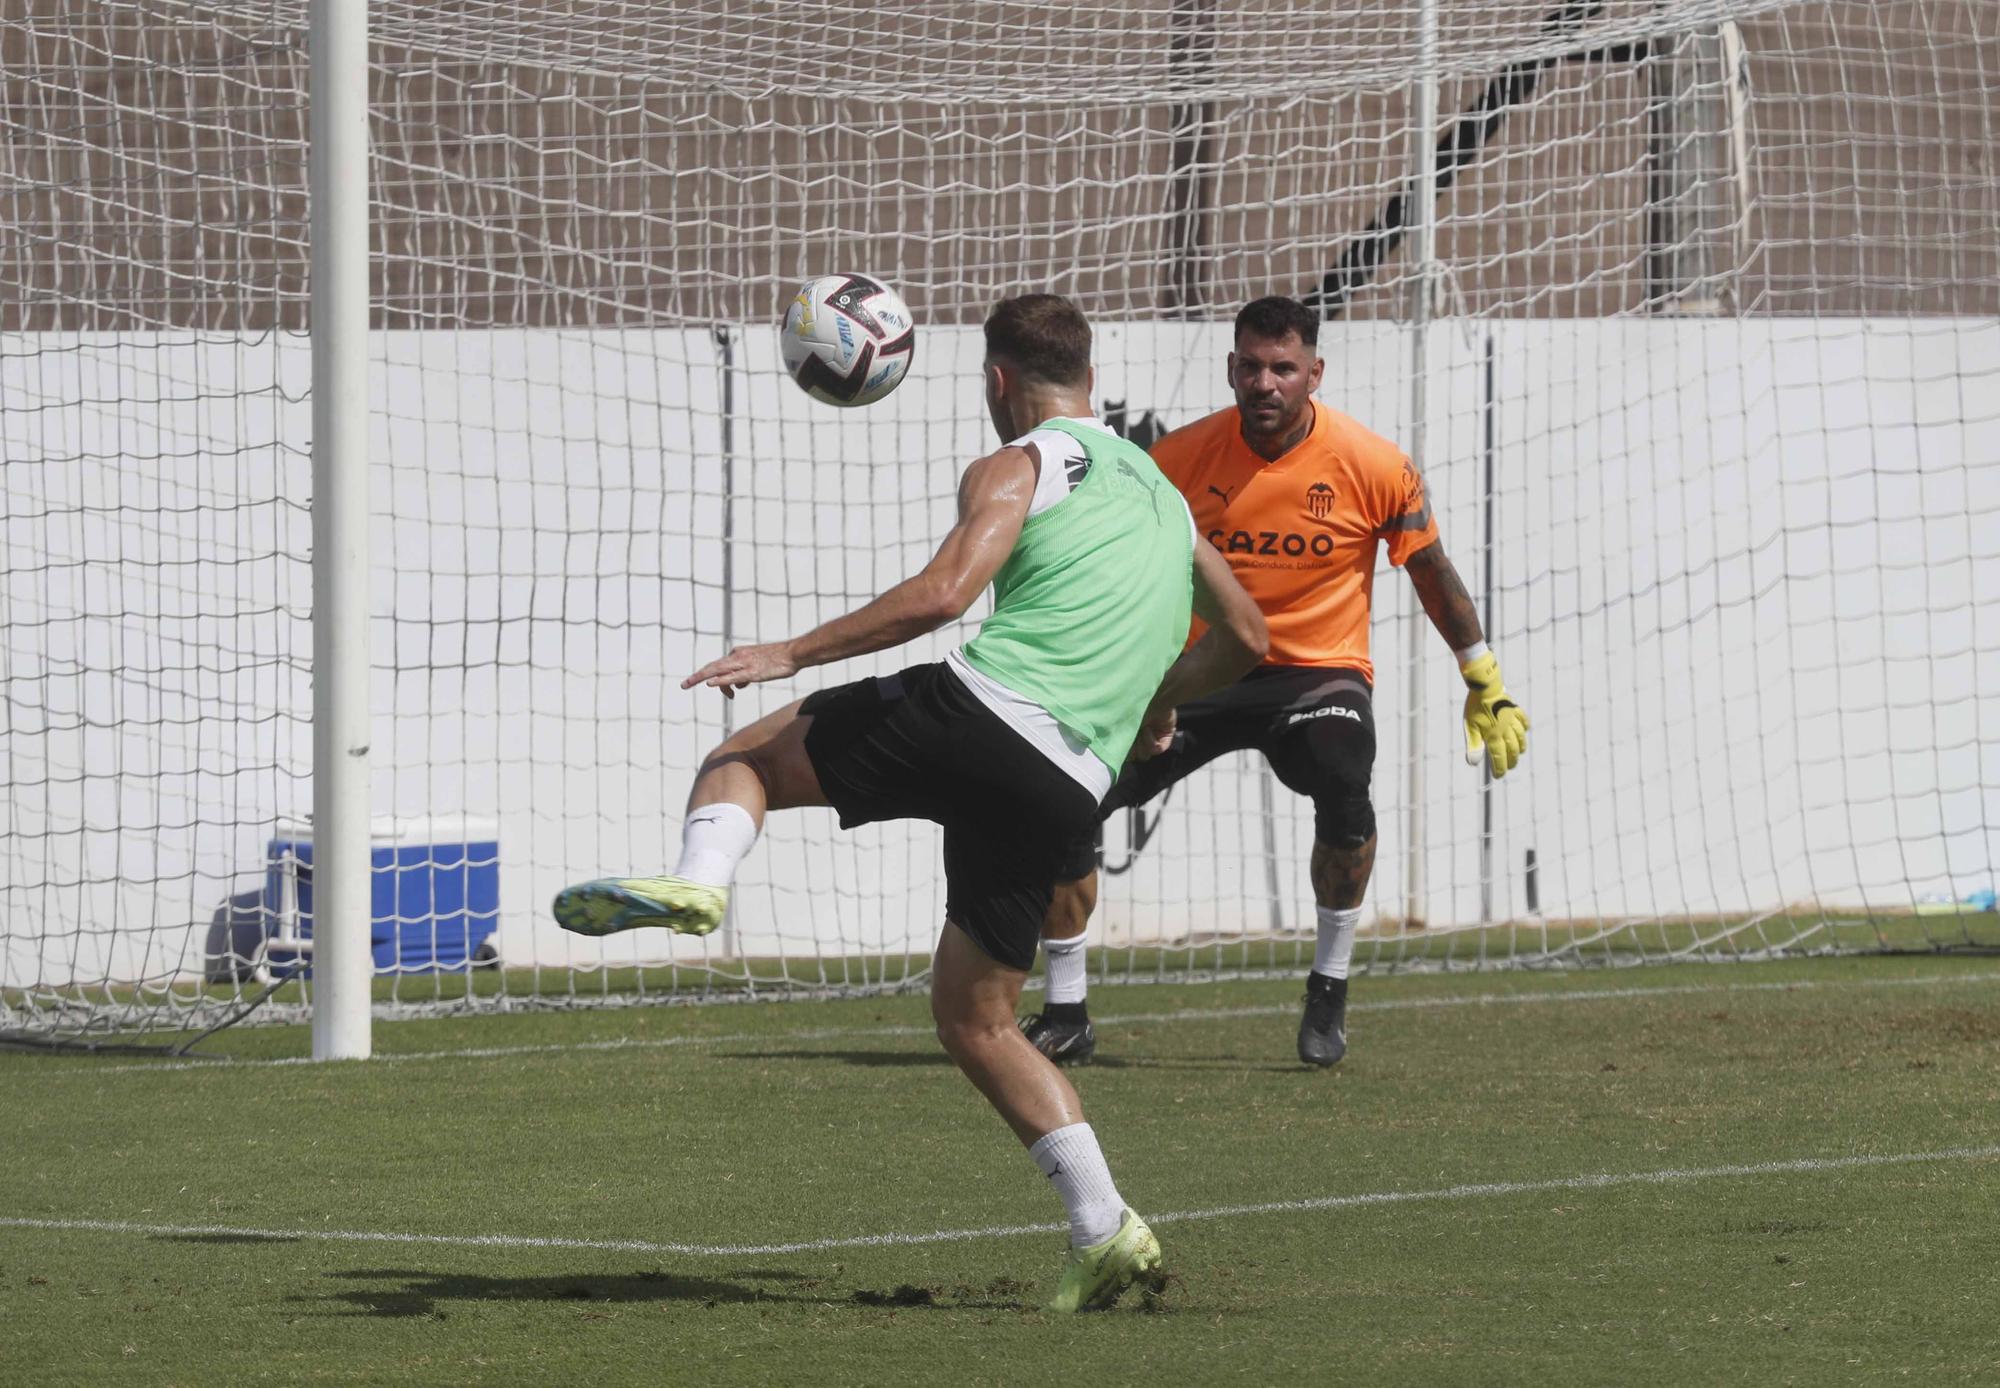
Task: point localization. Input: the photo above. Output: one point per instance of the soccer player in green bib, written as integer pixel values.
(1010, 742)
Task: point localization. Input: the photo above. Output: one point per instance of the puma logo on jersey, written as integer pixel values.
(1221, 493)
(1152, 492)
(1329, 711)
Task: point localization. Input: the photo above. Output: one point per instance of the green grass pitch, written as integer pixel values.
(1664, 1175)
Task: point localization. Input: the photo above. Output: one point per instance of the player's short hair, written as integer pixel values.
(1044, 335)
(1271, 318)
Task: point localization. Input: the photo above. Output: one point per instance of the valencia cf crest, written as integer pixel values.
(1319, 500)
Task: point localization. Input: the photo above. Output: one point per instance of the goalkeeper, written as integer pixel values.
(1297, 497)
(1009, 742)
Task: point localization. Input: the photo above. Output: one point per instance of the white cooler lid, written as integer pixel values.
(394, 831)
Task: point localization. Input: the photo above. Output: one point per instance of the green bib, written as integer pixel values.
(1094, 602)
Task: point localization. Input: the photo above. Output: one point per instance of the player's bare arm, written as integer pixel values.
(993, 498)
(1443, 595)
(1235, 641)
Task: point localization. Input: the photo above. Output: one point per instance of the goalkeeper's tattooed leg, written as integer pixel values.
(1340, 875)
(1340, 878)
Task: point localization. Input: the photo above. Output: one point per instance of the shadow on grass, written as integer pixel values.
(400, 1293)
(1213, 1065)
(406, 1293)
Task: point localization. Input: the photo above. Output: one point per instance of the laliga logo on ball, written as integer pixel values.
(847, 339)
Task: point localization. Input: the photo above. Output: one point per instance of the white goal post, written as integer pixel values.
(1704, 381)
(337, 157)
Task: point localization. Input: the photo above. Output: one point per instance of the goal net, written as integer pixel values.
(1689, 310)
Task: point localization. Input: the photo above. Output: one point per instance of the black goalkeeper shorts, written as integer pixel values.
(1315, 726)
(918, 745)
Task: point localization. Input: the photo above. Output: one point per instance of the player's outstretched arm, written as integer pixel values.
(1494, 723)
(1234, 642)
(993, 499)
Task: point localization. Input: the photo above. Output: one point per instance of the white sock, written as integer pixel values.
(1069, 978)
(1070, 1157)
(714, 839)
(1336, 941)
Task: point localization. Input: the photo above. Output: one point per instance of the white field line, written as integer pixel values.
(1209, 1014)
(1483, 1190)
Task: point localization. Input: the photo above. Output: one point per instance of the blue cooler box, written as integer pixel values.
(435, 891)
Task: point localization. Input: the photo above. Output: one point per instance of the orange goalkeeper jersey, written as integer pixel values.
(1300, 533)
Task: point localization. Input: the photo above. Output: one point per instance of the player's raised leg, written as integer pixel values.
(973, 997)
(760, 768)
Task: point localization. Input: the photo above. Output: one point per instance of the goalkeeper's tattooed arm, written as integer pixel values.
(993, 499)
(1494, 723)
(1443, 594)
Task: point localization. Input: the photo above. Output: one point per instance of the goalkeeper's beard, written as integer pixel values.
(1285, 429)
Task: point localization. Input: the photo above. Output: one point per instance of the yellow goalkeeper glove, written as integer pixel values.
(1492, 719)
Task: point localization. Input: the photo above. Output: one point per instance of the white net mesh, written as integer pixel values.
(1711, 375)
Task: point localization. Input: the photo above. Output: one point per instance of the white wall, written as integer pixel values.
(154, 652)
(1746, 589)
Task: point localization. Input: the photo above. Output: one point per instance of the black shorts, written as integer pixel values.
(918, 745)
(1315, 726)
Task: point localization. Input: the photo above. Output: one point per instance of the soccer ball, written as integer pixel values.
(847, 339)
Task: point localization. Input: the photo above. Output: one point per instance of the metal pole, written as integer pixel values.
(1191, 194)
(1273, 883)
(1694, 153)
(725, 346)
(1490, 445)
(338, 172)
(1423, 258)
